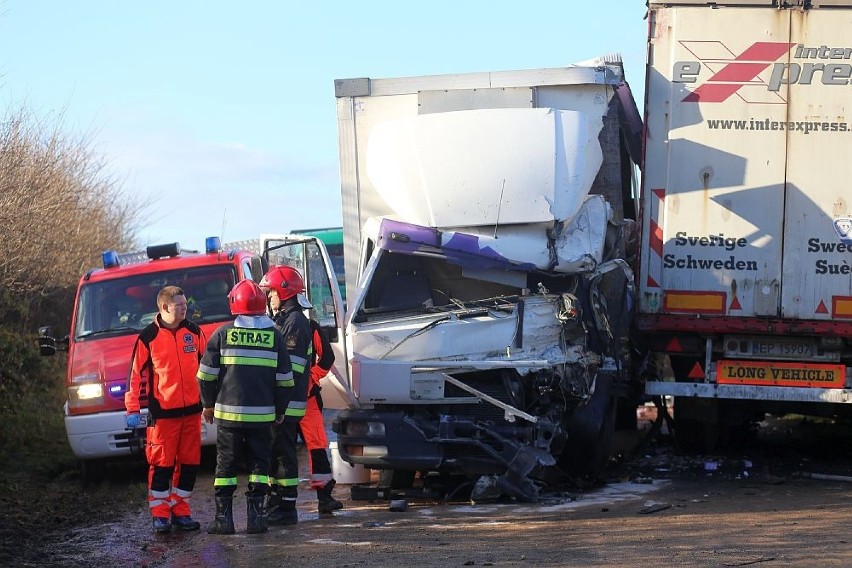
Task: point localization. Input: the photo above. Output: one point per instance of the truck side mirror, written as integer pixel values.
(46, 342)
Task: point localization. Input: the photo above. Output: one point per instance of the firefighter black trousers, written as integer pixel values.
(237, 445)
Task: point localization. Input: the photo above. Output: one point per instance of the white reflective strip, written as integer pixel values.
(294, 360)
(159, 494)
(208, 369)
(256, 353)
(245, 409)
(156, 503)
(182, 493)
(321, 478)
(294, 404)
(253, 322)
(284, 376)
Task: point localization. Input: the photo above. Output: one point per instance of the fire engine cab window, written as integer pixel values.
(126, 305)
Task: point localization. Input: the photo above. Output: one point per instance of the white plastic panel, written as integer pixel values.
(532, 165)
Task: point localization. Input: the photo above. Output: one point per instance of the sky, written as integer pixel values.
(220, 116)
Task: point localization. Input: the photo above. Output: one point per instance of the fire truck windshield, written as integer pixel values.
(128, 304)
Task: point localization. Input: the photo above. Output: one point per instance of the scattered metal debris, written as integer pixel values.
(654, 508)
(825, 476)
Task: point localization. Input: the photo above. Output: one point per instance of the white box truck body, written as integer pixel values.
(745, 264)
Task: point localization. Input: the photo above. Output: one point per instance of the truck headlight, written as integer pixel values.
(372, 429)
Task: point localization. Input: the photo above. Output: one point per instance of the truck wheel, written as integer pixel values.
(93, 471)
(590, 434)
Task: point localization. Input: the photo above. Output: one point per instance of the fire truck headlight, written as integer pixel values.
(85, 395)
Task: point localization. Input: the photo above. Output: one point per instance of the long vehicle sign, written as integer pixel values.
(778, 373)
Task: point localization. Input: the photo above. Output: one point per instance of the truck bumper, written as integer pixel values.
(103, 435)
(384, 440)
(413, 442)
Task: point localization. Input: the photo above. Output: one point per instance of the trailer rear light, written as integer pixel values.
(370, 429)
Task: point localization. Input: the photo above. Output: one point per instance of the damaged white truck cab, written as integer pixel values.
(489, 290)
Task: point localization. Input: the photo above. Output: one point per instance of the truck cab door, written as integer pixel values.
(310, 257)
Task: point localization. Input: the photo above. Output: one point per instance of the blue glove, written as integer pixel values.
(134, 421)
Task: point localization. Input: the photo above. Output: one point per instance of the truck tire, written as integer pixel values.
(590, 435)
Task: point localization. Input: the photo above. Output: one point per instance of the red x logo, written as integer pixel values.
(745, 67)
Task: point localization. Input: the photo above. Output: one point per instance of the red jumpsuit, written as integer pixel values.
(166, 362)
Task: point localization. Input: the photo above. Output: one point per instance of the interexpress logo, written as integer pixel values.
(757, 74)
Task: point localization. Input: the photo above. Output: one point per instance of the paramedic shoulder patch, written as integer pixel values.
(291, 342)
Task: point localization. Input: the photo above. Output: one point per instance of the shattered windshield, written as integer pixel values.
(126, 305)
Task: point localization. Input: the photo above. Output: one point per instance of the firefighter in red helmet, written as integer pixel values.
(282, 285)
(246, 382)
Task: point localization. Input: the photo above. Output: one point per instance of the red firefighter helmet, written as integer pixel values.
(247, 298)
(285, 280)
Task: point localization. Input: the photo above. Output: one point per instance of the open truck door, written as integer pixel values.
(310, 257)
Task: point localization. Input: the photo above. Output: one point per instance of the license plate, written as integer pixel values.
(777, 349)
(779, 373)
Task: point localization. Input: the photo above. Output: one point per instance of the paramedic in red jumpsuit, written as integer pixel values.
(165, 359)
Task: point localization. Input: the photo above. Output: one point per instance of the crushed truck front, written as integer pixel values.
(486, 227)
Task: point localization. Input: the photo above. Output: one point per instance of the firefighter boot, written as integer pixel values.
(273, 500)
(325, 502)
(284, 510)
(255, 515)
(224, 521)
